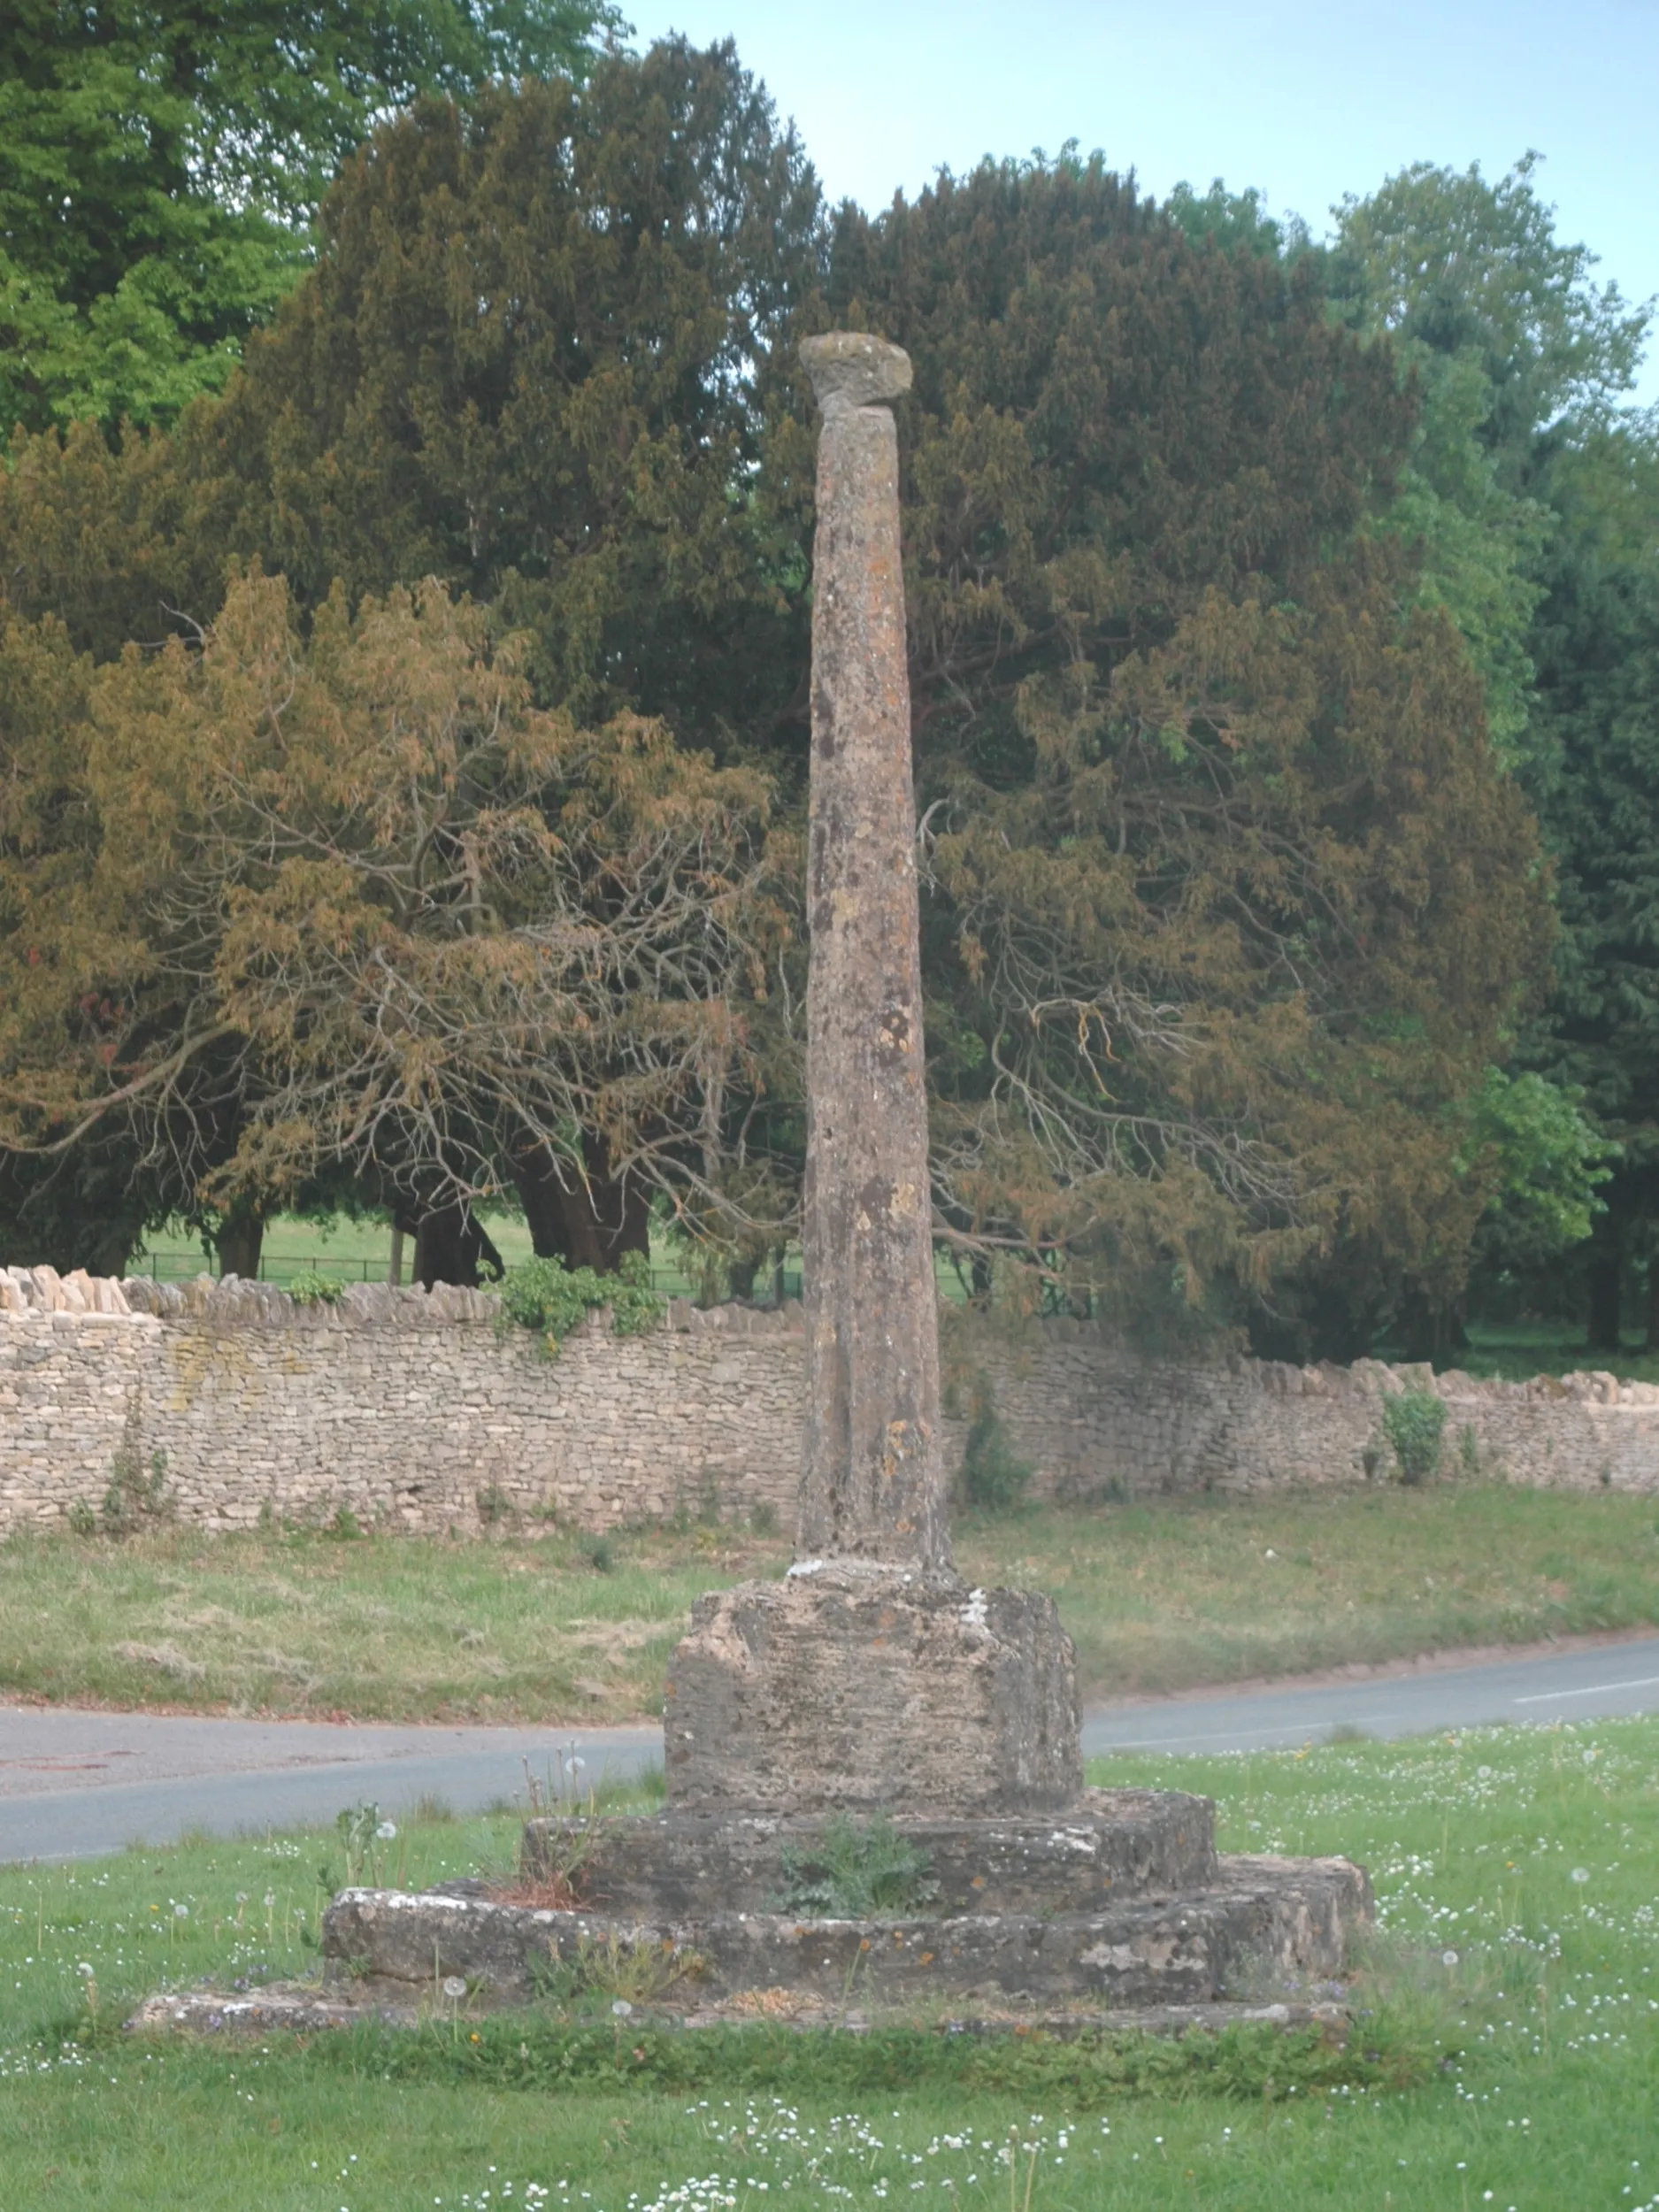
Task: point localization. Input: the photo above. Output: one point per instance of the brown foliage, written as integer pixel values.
(353, 899)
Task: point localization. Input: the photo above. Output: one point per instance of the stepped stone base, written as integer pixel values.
(1260, 1925)
(306, 2008)
(1109, 1844)
(864, 1688)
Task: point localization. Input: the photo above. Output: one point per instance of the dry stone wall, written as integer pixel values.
(410, 1410)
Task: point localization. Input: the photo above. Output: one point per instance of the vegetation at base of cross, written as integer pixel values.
(1506, 2036)
(856, 1870)
(1282, 646)
(575, 1629)
(550, 1299)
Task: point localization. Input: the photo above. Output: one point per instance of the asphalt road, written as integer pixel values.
(1596, 1681)
(75, 1784)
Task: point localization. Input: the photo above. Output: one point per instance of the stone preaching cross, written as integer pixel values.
(872, 1675)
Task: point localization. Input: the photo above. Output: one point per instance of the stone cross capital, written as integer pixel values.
(849, 368)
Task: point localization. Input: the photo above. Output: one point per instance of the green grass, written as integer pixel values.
(1158, 1596)
(1518, 1349)
(1514, 2005)
(1176, 1594)
(360, 1251)
(387, 1627)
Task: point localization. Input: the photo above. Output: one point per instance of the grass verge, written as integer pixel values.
(1513, 2014)
(576, 1630)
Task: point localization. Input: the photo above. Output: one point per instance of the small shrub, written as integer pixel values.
(551, 1300)
(1414, 1422)
(137, 1492)
(312, 1287)
(993, 1476)
(83, 1520)
(599, 1552)
(763, 1521)
(345, 1527)
(856, 1873)
(494, 1505)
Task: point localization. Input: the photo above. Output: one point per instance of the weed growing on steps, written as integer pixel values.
(856, 1870)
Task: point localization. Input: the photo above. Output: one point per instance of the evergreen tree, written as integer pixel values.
(1231, 900)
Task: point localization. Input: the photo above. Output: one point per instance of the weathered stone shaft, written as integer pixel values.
(872, 1479)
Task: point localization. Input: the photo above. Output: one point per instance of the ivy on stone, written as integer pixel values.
(550, 1299)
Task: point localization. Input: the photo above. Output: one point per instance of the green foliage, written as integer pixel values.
(159, 168)
(1544, 1162)
(1084, 2071)
(551, 1299)
(1414, 1422)
(1592, 768)
(567, 454)
(1506, 337)
(993, 1477)
(1232, 220)
(310, 1286)
(856, 1870)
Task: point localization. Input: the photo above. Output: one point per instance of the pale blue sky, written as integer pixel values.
(1306, 99)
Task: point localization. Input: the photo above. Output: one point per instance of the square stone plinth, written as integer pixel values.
(868, 1688)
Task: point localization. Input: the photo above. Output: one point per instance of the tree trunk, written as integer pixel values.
(394, 1268)
(1652, 1303)
(451, 1245)
(1605, 1281)
(591, 1225)
(240, 1239)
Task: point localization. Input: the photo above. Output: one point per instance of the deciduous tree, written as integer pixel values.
(160, 167)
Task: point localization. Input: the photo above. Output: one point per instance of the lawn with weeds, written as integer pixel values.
(1174, 1593)
(1506, 2050)
(576, 1629)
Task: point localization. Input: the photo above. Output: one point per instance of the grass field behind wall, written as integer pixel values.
(1504, 2053)
(519, 1626)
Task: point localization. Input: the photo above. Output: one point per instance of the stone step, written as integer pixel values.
(1110, 1845)
(1263, 1926)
